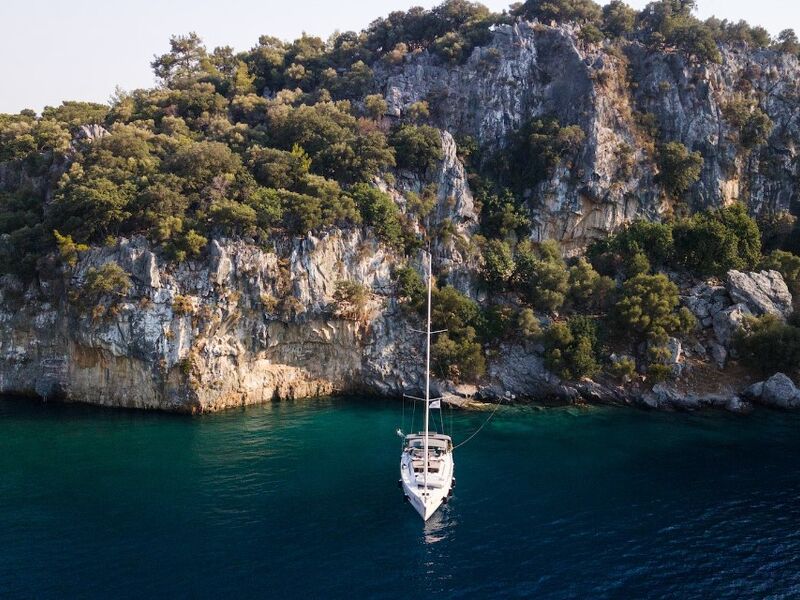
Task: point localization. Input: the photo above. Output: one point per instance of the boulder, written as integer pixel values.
(779, 391)
(728, 321)
(763, 293)
(705, 300)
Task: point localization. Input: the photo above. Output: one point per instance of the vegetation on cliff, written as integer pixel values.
(293, 137)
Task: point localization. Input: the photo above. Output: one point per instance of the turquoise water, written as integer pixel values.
(299, 499)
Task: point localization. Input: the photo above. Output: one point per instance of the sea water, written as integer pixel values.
(300, 499)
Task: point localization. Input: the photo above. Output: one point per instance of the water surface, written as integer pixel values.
(299, 499)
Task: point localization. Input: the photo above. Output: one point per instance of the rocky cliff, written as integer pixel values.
(246, 323)
(532, 69)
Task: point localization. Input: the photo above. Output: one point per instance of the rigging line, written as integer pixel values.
(477, 431)
(403, 420)
(413, 412)
(450, 409)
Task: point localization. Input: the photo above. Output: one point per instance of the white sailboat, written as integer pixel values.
(426, 464)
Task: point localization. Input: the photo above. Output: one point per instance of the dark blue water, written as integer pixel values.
(300, 500)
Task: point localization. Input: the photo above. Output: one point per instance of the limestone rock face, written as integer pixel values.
(533, 70)
(763, 293)
(244, 324)
(240, 325)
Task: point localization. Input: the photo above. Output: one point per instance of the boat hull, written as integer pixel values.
(427, 500)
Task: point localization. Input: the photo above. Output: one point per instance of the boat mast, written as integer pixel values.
(428, 374)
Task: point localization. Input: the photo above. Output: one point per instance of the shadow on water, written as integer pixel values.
(300, 499)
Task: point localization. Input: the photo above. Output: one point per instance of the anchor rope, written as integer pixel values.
(478, 430)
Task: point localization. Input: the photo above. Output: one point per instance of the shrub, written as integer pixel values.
(528, 324)
(452, 310)
(379, 210)
(658, 372)
(769, 345)
(418, 111)
(680, 169)
(497, 263)
(541, 275)
(787, 42)
(776, 229)
(623, 369)
(233, 218)
(375, 106)
(571, 348)
(561, 10)
(457, 353)
(182, 305)
(587, 288)
(788, 265)
(496, 322)
(647, 306)
(752, 123)
(714, 241)
(535, 150)
(670, 22)
(108, 282)
(274, 168)
(350, 298)
(654, 240)
(618, 18)
(459, 360)
(591, 34)
(187, 245)
(411, 290)
(68, 249)
(417, 147)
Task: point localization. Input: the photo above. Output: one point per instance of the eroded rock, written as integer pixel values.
(764, 292)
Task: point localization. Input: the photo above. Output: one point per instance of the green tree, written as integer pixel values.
(74, 114)
(68, 249)
(417, 147)
(714, 241)
(618, 18)
(680, 169)
(183, 61)
(528, 324)
(109, 280)
(278, 168)
(769, 345)
(535, 150)
(587, 288)
(93, 208)
(561, 10)
(498, 263)
(571, 348)
(375, 106)
(233, 218)
(350, 298)
(457, 353)
(379, 211)
(787, 42)
(541, 275)
(411, 290)
(752, 123)
(647, 306)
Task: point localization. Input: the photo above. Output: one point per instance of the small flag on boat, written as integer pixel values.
(436, 404)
